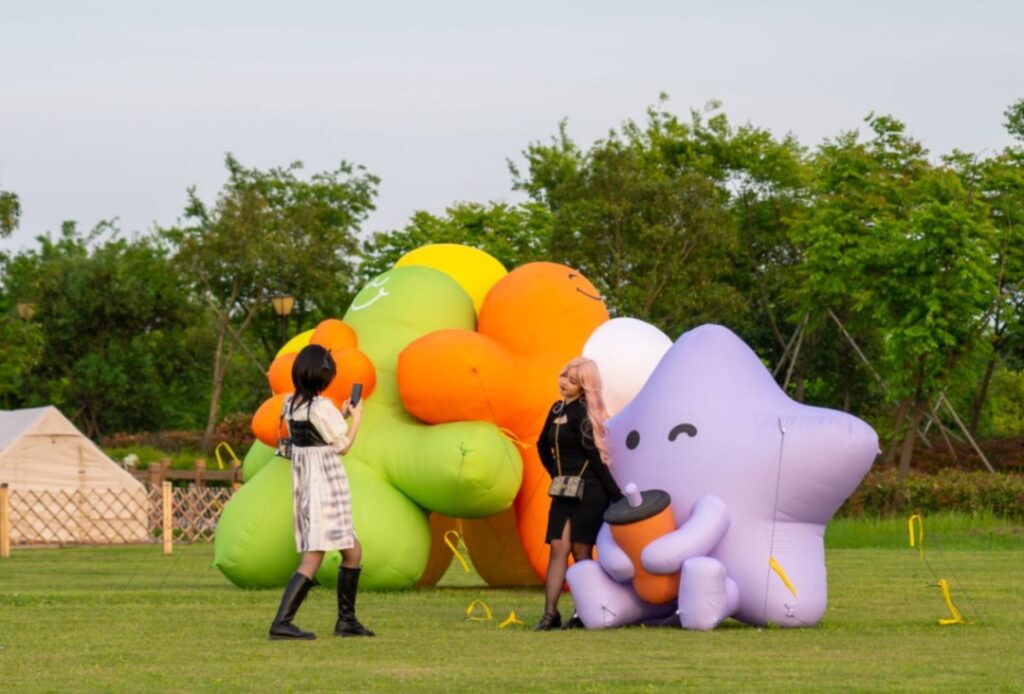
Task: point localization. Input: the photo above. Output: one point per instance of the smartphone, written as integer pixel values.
(357, 393)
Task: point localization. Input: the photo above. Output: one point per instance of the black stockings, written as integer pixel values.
(559, 563)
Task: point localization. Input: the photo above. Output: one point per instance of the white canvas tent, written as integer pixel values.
(63, 487)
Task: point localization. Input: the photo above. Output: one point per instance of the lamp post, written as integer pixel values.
(283, 304)
(25, 309)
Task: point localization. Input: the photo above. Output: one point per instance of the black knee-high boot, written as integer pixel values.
(294, 594)
(348, 625)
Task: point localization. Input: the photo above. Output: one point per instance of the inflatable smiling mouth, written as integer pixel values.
(589, 296)
(378, 284)
(381, 293)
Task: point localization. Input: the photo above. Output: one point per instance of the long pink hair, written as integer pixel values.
(590, 381)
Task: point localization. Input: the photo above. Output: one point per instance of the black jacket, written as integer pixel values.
(575, 446)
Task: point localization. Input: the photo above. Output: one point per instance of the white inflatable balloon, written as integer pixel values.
(626, 351)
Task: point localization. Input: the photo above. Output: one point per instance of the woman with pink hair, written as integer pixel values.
(573, 449)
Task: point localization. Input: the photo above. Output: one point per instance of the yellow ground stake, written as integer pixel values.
(511, 621)
(956, 618)
(920, 533)
(453, 546)
(220, 461)
(487, 614)
(918, 541)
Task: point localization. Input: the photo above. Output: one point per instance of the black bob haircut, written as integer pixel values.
(312, 372)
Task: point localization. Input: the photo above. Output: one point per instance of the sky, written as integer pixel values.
(113, 109)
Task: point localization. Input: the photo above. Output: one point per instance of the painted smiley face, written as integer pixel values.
(376, 284)
(588, 290)
(633, 437)
(401, 305)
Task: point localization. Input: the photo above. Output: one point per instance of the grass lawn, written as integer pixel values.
(128, 618)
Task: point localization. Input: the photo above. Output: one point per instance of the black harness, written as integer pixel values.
(303, 433)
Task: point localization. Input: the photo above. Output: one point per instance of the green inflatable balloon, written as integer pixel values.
(258, 456)
(392, 530)
(463, 469)
(255, 542)
(399, 468)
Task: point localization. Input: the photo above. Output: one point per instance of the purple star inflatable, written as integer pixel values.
(753, 477)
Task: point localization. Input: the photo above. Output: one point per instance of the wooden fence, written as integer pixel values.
(159, 513)
(161, 470)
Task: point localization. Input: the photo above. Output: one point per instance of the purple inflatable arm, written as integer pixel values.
(612, 559)
(695, 538)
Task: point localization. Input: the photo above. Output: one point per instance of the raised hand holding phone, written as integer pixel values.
(353, 407)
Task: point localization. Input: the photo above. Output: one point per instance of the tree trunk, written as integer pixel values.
(799, 380)
(982, 395)
(901, 415)
(219, 366)
(909, 440)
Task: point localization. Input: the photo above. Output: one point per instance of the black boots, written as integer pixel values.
(294, 594)
(574, 623)
(348, 625)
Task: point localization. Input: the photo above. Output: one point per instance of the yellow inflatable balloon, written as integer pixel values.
(474, 270)
(296, 343)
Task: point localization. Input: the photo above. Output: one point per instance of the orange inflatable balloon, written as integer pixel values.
(266, 423)
(441, 556)
(335, 335)
(532, 322)
(280, 373)
(352, 367)
(456, 376)
(543, 301)
(496, 553)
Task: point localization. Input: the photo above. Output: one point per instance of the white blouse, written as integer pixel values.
(325, 417)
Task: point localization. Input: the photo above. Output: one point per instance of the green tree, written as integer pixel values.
(270, 232)
(513, 234)
(729, 195)
(22, 342)
(999, 181)
(112, 336)
(10, 213)
(899, 248)
(1005, 406)
(655, 240)
(764, 183)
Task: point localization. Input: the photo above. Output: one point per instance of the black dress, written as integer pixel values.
(570, 426)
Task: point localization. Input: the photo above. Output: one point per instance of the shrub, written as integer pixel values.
(180, 460)
(234, 429)
(883, 494)
(1006, 453)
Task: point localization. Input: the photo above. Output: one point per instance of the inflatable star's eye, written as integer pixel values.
(678, 429)
(632, 439)
(572, 275)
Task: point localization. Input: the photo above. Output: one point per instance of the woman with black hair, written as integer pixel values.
(323, 509)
